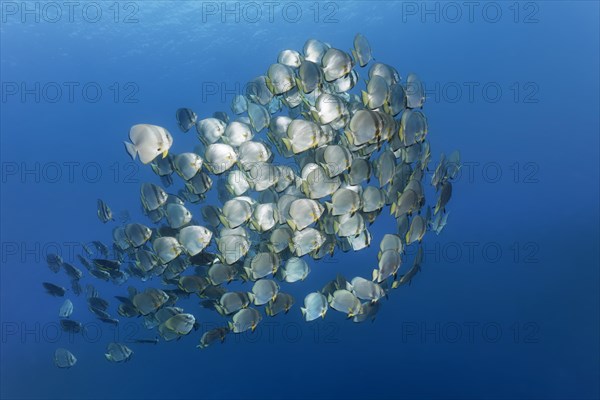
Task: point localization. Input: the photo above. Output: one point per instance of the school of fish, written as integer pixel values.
(346, 156)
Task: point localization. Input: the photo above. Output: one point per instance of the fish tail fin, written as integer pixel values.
(329, 206)
(374, 275)
(305, 188)
(223, 220)
(336, 226)
(365, 97)
(292, 224)
(287, 143)
(248, 271)
(315, 115)
(282, 273)
(348, 135)
(131, 150)
(269, 84)
(254, 225)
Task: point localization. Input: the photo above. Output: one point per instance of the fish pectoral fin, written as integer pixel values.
(131, 150)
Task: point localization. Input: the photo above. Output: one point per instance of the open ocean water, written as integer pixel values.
(506, 305)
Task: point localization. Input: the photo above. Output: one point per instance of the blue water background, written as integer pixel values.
(523, 324)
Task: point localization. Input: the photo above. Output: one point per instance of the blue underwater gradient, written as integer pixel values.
(507, 302)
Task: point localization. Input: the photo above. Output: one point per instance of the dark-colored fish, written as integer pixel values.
(127, 311)
(90, 291)
(222, 116)
(76, 287)
(186, 119)
(109, 320)
(54, 290)
(203, 258)
(87, 249)
(106, 265)
(69, 325)
(105, 276)
(72, 271)
(118, 252)
(85, 262)
(125, 300)
(165, 230)
(147, 341)
(98, 302)
(118, 277)
(104, 212)
(213, 292)
(54, 262)
(101, 247)
(99, 312)
(209, 304)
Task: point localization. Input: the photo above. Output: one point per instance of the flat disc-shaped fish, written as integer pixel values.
(181, 324)
(137, 234)
(245, 319)
(282, 303)
(187, 164)
(194, 239)
(186, 119)
(365, 289)
(307, 240)
(280, 78)
(149, 300)
(415, 92)
(291, 58)
(239, 104)
(295, 269)
(315, 306)
(63, 358)
(54, 290)
(345, 301)
(210, 130)
(213, 336)
(118, 352)
(314, 50)
(233, 247)
(335, 64)
(264, 290)
(148, 141)
(66, 309)
(166, 248)
(413, 127)
(178, 215)
(362, 50)
(104, 212)
(153, 196)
